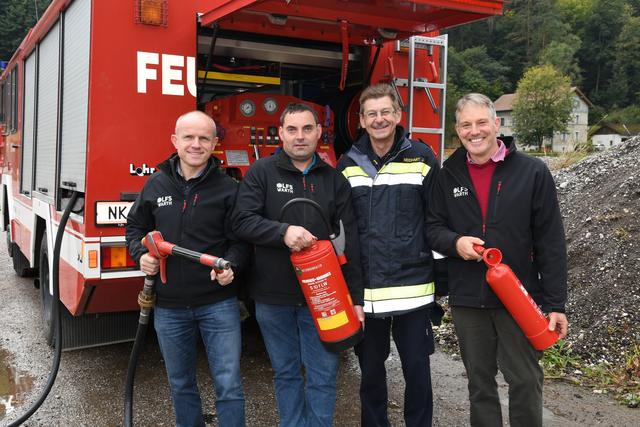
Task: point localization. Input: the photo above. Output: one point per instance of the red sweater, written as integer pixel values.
(481, 178)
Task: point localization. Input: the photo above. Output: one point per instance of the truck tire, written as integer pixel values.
(46, 298)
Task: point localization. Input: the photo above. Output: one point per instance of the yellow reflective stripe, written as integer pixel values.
(332, 322)
(399, 292)
(350, 171)
(413, 167)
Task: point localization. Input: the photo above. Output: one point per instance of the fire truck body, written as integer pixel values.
(89, 99)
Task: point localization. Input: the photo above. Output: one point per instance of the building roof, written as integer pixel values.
(607, 128)
(505, 102)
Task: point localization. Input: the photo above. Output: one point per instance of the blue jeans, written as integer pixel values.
(292, 342)
(219, 326)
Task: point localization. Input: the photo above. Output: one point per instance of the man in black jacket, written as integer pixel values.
(190, 201)
(391, 178)
(490, 194)
(286, 324)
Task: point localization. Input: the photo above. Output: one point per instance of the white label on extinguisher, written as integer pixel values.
(327, 309)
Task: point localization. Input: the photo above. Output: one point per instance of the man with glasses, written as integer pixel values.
(391, 178)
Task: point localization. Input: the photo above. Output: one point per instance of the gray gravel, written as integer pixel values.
(600, 202)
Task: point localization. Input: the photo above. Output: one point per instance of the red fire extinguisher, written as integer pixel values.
(317, 268)
(517, 300)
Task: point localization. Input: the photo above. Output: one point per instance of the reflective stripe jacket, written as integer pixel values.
(391, 204)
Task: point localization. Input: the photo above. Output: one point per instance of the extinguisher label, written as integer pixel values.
(327, 309)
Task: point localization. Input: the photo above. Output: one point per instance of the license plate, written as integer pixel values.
(112, 213)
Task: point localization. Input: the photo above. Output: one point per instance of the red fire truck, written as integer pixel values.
(89, 99)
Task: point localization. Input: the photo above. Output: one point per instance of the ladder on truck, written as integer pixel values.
(413, 83)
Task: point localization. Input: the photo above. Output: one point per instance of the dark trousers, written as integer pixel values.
(490, 339)
(414, 340)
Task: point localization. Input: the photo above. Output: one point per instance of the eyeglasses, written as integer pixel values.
(371, 115)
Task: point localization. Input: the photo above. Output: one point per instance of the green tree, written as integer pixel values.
(16, 17)
(597, 53)
(562, 56)
(542, 105)
(624, 88)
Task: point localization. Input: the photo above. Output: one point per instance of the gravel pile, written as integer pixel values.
(600, 202)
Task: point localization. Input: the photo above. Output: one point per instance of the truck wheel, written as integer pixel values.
(45, 297)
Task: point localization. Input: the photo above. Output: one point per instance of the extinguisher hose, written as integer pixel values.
(55, 314)
(310, 202)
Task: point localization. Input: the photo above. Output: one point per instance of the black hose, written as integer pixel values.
(55, 314)
(207, 68)
(309, 202)
(148, 294)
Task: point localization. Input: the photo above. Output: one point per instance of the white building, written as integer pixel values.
(577, 127)
(607, 135)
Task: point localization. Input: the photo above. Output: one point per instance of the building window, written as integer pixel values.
(577, 136)
(577, 119)
(502, 121)
(564, 137)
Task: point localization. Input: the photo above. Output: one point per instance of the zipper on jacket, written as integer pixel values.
(495, 205)
(389, 160)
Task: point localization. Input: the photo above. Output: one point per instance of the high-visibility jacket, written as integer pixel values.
(391, 204)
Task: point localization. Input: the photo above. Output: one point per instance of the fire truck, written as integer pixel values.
(89, 99)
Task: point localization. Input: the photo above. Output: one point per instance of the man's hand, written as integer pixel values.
(224, 277)
(559, 321)
(149, 265)
(297, 238)
(464, 247)
(359, 313)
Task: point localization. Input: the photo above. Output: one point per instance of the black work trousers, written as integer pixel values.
(490, 339)
(414, 341)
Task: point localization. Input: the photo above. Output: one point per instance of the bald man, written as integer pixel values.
(189, 200)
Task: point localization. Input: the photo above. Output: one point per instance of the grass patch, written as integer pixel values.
(567, 159)
(622, 382)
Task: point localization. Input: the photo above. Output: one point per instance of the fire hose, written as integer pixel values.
(55, 313)
(159, 249)
(517, 300)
